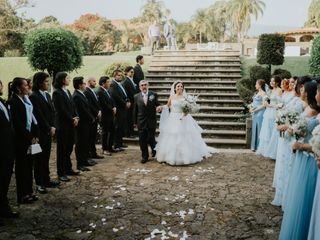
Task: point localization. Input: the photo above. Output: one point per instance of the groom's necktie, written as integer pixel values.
(145, 99)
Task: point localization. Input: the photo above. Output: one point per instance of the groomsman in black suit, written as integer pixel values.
(122, 103)
(108, 110)
(43, 111)
(131, 89)
(95, 109)
(67, 119)
(146, 106)
(138, 72)
(85, 121)
(6, 157)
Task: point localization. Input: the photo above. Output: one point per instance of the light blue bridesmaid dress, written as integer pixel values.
(301, 190)
(285, 158)
(314, 229)
(257, 118)
(267, 125)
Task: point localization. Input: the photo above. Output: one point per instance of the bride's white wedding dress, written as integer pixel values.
(180, 141)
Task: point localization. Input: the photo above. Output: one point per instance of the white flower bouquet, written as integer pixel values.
(315, 140)
(281, 117)
(190, 105)
(266, 99)
(251, 108)
(279, 105)
(300, 128)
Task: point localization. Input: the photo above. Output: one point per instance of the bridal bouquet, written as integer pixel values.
(189, 105)
(315, 140)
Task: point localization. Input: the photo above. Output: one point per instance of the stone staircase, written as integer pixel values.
(212, 75)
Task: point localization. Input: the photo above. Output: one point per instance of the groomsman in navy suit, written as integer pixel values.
(43, 111)
(122, 103)
(131, 89)
(83, 129)
(138, 72)
(95, 110)
(108, 110)
(6, 158)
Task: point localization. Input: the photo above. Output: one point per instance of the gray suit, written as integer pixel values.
(170, 35)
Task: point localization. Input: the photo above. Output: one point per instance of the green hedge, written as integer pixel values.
(116, 66)
(315, 57)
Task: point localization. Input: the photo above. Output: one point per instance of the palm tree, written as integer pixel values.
(153, 10)
(198, 22)
(240, 13)
(313, 14)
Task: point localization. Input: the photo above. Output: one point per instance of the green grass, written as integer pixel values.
(298, 66)
(92, 66)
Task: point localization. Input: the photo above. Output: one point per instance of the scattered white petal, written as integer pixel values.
(118, 204)
(171, 234)
(182, 214)
(83, 202)
(104, 223)
(121, 228)
(103, 219)
(109, 207)
(115, 229)
(167, 199)
(95, 197)
(123, 189)
(175, 178)
(186, 200)
(101, 206)
(163, 222)
(116, 192)
(191, 212)
(182, 223)
(184, 236)
(79, 231)
(168, 213)
(89, 231)
(95, 206)
(91, 224)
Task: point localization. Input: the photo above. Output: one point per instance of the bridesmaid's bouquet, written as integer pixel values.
(315, 140)
(266, 99)
(300, 128)
(281, 117)
(189, 104)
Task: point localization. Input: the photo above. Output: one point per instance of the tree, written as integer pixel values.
(271, 49)
(315, 57)
(199, 22)
(240, 13)
(53, 50)
(95, 32)
(217, 20)
(314, 14)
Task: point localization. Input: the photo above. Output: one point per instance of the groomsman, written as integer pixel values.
(108, 110)
(66, 120)
(138, 72)
(122, 103)
(131, 90)
(82, 129)
(43, 111)
(95, 110)
(6, 157)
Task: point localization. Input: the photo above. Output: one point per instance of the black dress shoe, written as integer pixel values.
(88, 164)
(97, 156)
(64, 179)
(92, 161)
(154, 152)
(73, 173)
(119, 149)
(83, 169)
(41, 189)
(52, 184)
(144, 160)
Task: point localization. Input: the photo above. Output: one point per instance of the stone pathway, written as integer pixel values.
(225, 197)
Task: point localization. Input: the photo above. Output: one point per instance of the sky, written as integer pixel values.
(278, 13)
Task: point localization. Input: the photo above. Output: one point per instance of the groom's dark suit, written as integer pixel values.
(145, 117)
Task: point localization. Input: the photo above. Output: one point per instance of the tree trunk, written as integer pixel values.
(269, 68)
(200, 37)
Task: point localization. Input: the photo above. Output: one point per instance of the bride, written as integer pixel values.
(180, 141)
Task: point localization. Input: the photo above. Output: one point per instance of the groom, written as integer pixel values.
(145, 109)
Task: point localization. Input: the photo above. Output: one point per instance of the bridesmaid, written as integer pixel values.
(257, 113)
(285, 154)
(301, 189)
(26, 133)
(269, 116)
(285, 98)
(314, 229)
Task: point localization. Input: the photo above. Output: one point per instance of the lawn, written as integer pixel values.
(92, 66)
(298, 66)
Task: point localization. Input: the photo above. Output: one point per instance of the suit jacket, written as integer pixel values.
(145, 116)
(138, 74)
(43, 111)
(65, 109)
(7, 134)
(120, 100)
(130, 89)
(19, 121)
(107, 105)
(83, 108)
(93, 102)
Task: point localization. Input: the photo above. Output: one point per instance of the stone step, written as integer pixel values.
(187, 82)
(184, 70)
(195, 52)
(215, 125)
(196, 61)
(194, 65)
(198, 90)
(192, 84)
(218, 117)
(206, 95)
(204, 55)
(197, 58)
(213, 103)
(213, 76)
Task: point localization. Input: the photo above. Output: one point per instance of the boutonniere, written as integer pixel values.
(151, 97)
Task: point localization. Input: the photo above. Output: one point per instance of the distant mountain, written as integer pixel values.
(257, 30)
